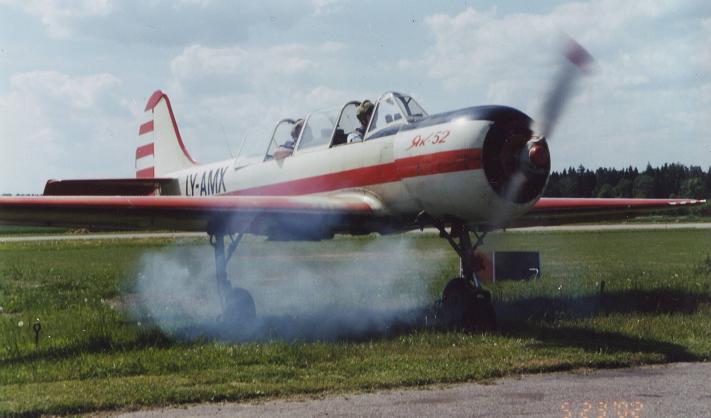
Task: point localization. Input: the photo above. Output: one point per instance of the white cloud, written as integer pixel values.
(323, 7)
(209, 122)
(77, 92)
(50, 121)
(256, 87)
(161, 22)
(475, 47)
(253, 65)
(331, 46)
(702, 54)
(640, 97)
(57, 15)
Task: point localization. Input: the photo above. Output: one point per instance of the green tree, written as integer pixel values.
(568, 186)
(605, 191)
(693, 187)
(623, 188)
(643, 186)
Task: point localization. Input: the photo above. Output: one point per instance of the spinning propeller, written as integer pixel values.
(527, 163)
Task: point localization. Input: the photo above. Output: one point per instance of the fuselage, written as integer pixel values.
(435, 165)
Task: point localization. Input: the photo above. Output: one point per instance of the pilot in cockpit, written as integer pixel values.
(363, 112)
(287, 148)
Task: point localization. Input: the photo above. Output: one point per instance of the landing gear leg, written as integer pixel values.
(465, 304)
(237, 304)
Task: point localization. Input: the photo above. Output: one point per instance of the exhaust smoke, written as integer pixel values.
(339, 289)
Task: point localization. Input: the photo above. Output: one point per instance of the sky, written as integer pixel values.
(75, 75)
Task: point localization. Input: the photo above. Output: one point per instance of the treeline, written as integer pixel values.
(669, 180)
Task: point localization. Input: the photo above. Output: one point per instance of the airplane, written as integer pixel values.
(465, 172)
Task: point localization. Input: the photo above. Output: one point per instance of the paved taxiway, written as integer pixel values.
(676, 390)
(122, 235)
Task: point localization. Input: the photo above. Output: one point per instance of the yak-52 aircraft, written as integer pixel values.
(466, 171)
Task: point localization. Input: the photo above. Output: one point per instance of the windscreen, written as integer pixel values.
(318, 129)
(282, 136)
(412, 108)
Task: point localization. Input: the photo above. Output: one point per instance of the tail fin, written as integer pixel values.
(163, 150)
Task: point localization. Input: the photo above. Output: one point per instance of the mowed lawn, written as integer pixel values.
(127, 324)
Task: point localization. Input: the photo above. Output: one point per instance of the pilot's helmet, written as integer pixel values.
(296, 130)
(364, 110)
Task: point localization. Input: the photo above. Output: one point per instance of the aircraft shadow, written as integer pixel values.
(644, 301)
(533, 317)
(596, 341)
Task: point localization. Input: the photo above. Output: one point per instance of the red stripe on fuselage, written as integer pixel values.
(144, 150)
(421, 165)
(146, 127)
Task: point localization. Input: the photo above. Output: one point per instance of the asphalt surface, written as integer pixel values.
(610, 227)
(676, 390)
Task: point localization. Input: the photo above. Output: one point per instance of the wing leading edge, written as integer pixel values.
(287, 216)
(283, 217)
(558, 211)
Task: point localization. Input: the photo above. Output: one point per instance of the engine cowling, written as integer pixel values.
(516, 162)
(486, 164)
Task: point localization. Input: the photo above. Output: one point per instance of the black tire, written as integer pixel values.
(465, 307)
(239, 307)
(455, 297)
(480, 314)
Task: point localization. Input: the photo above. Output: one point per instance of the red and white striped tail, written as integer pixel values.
(145, 166)
(162, 151)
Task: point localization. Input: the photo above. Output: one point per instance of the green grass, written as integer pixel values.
(669, 218)
(655, 307)
(26, 230)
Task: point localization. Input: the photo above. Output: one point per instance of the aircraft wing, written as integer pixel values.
(559, 211)
(279, 216)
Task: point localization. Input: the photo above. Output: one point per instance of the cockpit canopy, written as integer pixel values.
(330, 127)
(394, 109)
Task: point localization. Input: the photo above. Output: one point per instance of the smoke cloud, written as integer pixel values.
(339, 289)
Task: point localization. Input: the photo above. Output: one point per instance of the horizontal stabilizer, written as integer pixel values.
(106, 187)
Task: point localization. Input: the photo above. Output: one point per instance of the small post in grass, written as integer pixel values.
(37, 327)
(602, 297)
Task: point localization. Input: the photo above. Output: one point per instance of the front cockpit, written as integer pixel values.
(391, 110)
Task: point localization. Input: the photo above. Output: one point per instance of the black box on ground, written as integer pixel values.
(516, 265)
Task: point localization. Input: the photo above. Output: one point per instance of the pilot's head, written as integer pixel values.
(296, 130)
(363, 112)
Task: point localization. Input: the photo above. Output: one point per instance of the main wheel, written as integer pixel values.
(465, 307)
(480, 314)
(239, 307)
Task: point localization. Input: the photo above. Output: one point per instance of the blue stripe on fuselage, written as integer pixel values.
(493, 113)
